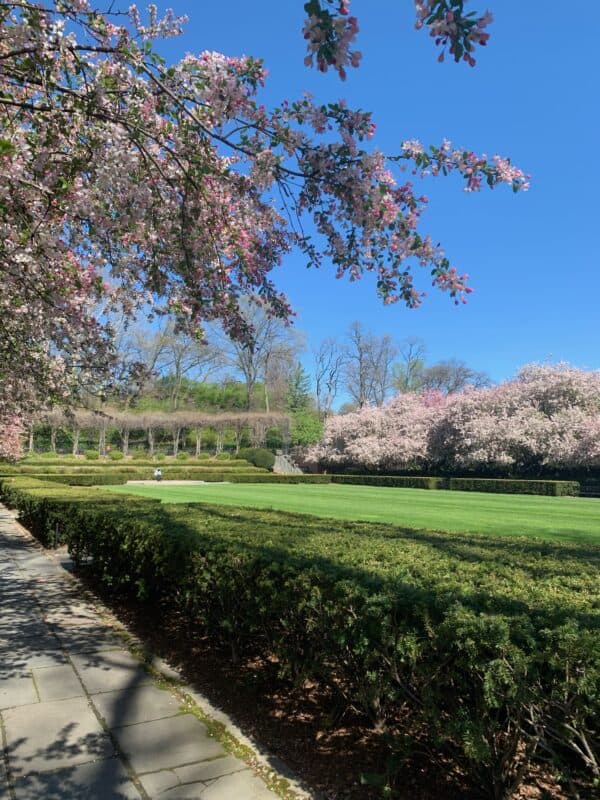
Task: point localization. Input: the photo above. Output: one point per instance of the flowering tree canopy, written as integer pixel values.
(546, 417)
(130, 184)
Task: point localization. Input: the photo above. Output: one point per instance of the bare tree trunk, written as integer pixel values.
(219, 442)
(102, 442)
(125, 442)
(53, 439)
(151, 441)
(198, 441)
(76, 433)
(176, 433)
(31, 440)
(238, 438)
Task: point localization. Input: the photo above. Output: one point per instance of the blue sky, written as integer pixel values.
(533, 258)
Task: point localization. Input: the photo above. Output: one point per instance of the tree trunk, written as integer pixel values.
(151, 441)
(75, 450)
(53, 439)
(31, 440)
(125, 442)
(219, 442)
(267, 408)
(102, 442)
(176, 433)
(198, 441)
(238, 437)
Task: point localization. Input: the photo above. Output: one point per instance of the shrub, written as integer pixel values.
(203, 456)
(92, 455)
(223, 456)
(116, 455)
(408, 482)
(500, 485)
(182, 455)
(258, 456)
(159, 456)
(139, 455)
(482, 650)
(265, 477)
(48, 454)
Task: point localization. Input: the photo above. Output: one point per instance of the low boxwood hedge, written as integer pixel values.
(482, 651)
(500, 485)
(45, 506)
(401, 482)
(116, 478)
(35, 469)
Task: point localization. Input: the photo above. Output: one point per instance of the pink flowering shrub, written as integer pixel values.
(548, 417)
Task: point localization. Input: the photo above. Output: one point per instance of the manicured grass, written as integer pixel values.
(558, 518)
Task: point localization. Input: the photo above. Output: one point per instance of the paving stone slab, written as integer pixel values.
(88, 640)
(17, 690)
(109, 671)
(48, 736)
(21, 656)
(29, 628)
(73, 615)
(132, 706)
(241, 785)
(167, 743)
(192, 780)
(57, 683)
(98, 780)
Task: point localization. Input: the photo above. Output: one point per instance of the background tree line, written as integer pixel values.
(166, 370)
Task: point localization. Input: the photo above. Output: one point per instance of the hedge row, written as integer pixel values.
(116, 478)
(45, 506)
(483, 651)
(239, 472)
(50, 469)
(499, 485)
(408, 482)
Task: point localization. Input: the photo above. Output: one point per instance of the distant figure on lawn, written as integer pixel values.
(157, 474)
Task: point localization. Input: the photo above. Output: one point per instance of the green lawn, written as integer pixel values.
(566, 518)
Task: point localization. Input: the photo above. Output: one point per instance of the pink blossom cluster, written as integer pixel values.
(452, 28)
(547, 417)
(330, 36)
(11, 437)
(331, 33)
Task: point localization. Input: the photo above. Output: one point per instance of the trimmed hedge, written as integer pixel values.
(277, 478)
(401, 482)
(115, 478)
(129, 468)
(257, 456)
(500, 485)
(483, 651)
(80, 464)
(44, 507)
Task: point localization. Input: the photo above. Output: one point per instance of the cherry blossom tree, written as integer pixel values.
(130, 185)
(547, 418)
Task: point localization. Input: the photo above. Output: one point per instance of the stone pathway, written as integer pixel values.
(80, 718)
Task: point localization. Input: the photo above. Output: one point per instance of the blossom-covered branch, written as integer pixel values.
(331, 32)
(127, 184)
